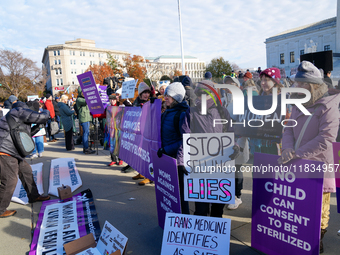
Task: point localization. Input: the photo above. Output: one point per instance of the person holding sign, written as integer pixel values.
(242, 142)
(314, 134)
(126, 102)
(174, 124)
(270, 78)
(84, 120)
(144, 92)
(200, 123)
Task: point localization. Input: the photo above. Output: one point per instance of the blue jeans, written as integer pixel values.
(39, 144)
(86, 132)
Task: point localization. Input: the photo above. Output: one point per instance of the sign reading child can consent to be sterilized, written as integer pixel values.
(190, 234)
(211, 176)
(286, 206)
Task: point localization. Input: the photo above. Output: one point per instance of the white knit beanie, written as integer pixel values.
(176, 91)
(142, 87)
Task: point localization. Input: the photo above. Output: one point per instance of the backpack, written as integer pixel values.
(21, 137)
(54, 128)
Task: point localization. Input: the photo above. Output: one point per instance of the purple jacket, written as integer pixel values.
(316, 143)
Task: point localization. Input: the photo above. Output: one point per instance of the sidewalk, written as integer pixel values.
(137, 218)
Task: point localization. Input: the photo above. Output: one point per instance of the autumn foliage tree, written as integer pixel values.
(177, 73)
(134, 68)
(100, 72)
(20, 76)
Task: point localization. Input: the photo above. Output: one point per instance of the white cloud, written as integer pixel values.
(235, 30)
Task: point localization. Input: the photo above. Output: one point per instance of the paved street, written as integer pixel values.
(136, 218)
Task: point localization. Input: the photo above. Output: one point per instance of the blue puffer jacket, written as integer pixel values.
(171, 140)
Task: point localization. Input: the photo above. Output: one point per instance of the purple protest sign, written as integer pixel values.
(166, 185)
(103, 95)
(140, 132)
(336, 155)
(86, 222)
(91, 94)
(286, 206)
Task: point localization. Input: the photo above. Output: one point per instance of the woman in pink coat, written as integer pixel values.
(316, 140)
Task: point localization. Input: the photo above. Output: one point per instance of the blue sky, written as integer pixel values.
(234, 30)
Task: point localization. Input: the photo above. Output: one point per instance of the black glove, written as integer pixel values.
(236, 153)
(152, 99)
(181, 169)
(160, 152)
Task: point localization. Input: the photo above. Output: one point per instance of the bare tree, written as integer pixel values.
(235, 67)
(20, 76)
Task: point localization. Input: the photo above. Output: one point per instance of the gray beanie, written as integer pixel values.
(12, 98)
(176, 91)
(142, 87)
(232, 79)
(307, 72)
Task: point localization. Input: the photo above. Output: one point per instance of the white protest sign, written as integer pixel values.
(63, 171)
(128, 89)
(20, 195)
(190, 234)
(59, 225)
(90, 251)
(110, 240)
(32, 98)
(211, 176)
(4, 111)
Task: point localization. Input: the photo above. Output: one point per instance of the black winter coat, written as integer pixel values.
(21, 113)
(56, 108)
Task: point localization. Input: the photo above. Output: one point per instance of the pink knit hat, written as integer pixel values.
(273, 73)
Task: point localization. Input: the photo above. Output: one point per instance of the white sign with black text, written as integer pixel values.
(191, 234)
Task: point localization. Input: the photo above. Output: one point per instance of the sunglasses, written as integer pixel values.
(163, 82)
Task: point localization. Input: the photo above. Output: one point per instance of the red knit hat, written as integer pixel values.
(273, 73)
(248, 75)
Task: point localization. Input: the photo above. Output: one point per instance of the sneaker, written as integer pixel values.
(40, 155)
(120, 162)
(145, 181)
(34, 156)
(127, 169)
(112, 164)
(89, 151)
(238, 201)
(137, 177)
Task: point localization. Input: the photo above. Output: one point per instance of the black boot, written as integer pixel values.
(323, 232)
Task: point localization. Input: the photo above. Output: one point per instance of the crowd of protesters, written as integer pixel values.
(181, 99)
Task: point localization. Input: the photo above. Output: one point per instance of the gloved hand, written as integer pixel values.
(152, 99)
(236, 153)
(181, 169)
(153, 91)
(160, 152)
(287, 155)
